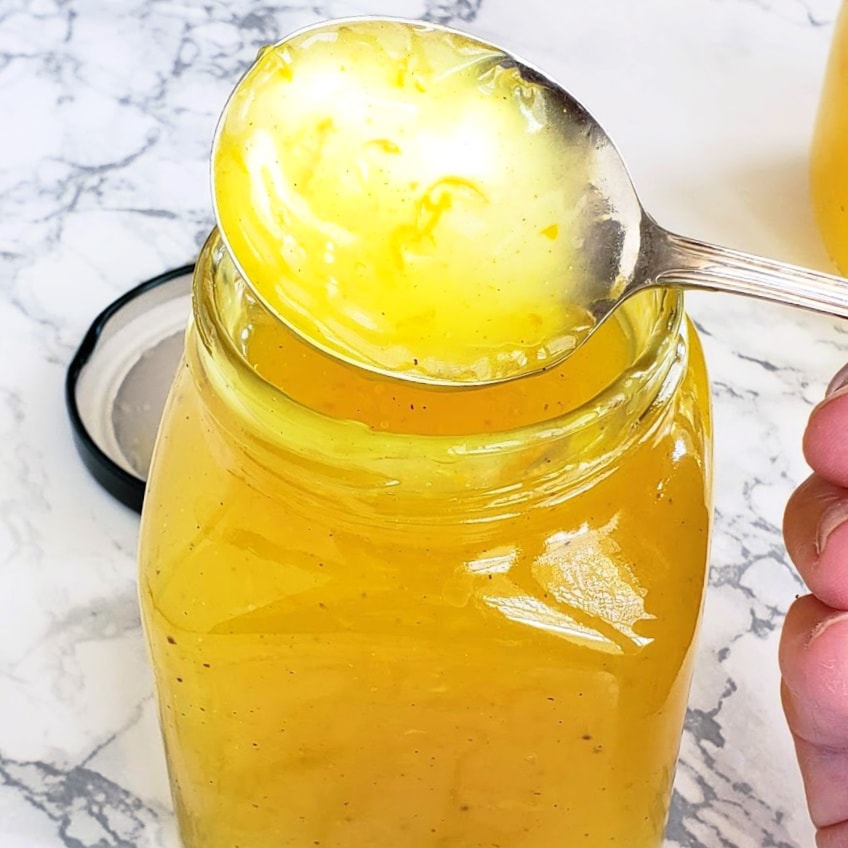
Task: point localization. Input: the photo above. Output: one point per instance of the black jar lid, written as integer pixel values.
(118, 381)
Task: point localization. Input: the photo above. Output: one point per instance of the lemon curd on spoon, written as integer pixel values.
(405, 202)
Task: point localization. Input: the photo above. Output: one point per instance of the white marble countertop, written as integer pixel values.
(108, 111)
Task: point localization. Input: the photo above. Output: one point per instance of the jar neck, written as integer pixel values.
(345, 428)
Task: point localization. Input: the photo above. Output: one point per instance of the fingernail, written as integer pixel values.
(839, 381)
(834, 516)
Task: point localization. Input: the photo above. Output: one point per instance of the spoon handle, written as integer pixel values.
(688, 263)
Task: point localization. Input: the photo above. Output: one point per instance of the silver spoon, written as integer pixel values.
(631, 252)
(623, 248)
(640, 254)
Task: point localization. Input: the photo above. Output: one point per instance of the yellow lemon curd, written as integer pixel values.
(829, 157)
(385, 614)
(369, 184)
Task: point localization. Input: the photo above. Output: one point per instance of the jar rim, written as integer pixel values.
(609, 420)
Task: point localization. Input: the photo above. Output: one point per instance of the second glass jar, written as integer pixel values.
(829, 155)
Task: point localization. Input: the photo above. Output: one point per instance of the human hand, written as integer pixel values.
(814, 641)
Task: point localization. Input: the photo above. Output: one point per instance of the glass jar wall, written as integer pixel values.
(382, 614)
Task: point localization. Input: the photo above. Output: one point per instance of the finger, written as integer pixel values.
(826, 437)
(813, 659)
(825, 774)
(833, 837)
(815, 529)
(814, 667)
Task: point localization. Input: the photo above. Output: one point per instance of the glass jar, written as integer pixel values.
(829, 155)
(382, 614)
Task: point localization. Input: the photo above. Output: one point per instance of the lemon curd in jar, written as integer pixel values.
(829, 155)
(384, 613)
